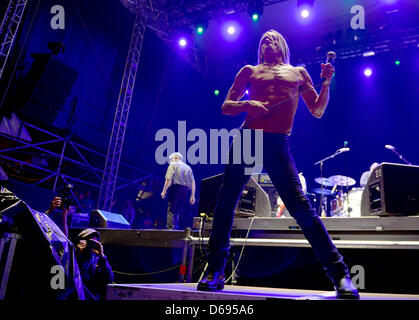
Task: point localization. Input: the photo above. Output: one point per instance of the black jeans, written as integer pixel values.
(279, 164)
(178, 202)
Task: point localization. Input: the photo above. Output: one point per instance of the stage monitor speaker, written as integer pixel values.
(254, 201)
(391, 190)
(105, 219)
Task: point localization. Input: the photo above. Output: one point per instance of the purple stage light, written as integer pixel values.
(305, 13)
(305, 8)
(367, 72)
(231, 30)
(182, 42)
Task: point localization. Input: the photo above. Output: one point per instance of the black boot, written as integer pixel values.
(345, 289)
(212, 280)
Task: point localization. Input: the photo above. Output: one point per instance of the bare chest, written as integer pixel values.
(276, 76)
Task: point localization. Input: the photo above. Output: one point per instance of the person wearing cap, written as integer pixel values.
(95, 269)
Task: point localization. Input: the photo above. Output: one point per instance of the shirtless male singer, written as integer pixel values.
(274, 89)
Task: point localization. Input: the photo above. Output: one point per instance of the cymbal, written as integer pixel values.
(326, 192)
(342, 180)
(324, 181)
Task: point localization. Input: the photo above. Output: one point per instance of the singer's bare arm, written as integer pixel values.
(232, 106)
(316, 103)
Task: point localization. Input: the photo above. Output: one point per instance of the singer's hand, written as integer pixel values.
(256, 108)
(327, 72)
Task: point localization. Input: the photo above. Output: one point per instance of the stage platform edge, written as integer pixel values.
(187, 291)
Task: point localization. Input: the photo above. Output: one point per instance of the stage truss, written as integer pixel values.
(50, 161)
(9, 27)
(113, 158)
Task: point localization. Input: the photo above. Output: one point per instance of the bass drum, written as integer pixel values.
(353, 205)
(338, 206)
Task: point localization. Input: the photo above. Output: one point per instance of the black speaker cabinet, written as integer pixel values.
(253, 201)
(391, 190)
(45, 89)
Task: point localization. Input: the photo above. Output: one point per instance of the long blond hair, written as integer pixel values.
(285, 51)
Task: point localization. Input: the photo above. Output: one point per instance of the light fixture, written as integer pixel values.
(201, 23)
(367, 72)
(231, 30)
(255, 9)
(182, 42)
(304, 7)
(369, 53)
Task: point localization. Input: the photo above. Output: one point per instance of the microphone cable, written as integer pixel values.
(241, 252)
(286, 100)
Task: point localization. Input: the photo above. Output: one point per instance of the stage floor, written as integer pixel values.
(187, 291)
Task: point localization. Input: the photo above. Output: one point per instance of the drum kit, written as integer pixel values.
(335, 201)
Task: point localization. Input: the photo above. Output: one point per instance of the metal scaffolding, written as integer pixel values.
(9, 26)
(50, 161)
(110, 174)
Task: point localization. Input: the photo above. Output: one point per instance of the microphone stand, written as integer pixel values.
(400, 156)
(321, 175)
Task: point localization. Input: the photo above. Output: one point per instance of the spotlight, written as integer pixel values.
(305, 13)
(304, 7)
(201, 23)
(367, 72)
(216, 92)
(255, 9)
(397, 62)
(181, 36)
(231, 30)
(182, 42)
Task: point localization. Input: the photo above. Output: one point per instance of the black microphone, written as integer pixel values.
(330, 57)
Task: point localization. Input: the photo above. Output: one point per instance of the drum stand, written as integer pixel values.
(320, 162)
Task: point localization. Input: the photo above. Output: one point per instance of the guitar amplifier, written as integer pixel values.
(391, 190)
